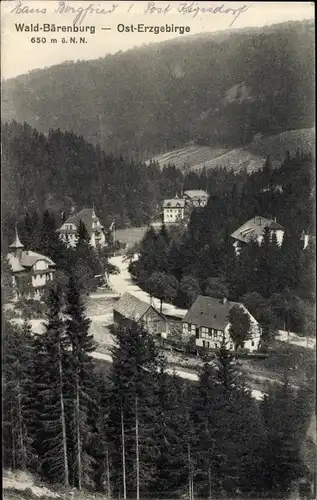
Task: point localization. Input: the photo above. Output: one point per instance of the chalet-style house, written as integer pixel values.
(31, 271)
(207, 320)
(130, 310)
(195, 198)
(68, 231)
(173, 210)
(253, 230)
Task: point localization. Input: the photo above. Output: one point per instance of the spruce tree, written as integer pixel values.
(17, 382)
(80, 383)
(6, 281)
(171, 433)
(282, 416)
(50, 372)
(133, 375)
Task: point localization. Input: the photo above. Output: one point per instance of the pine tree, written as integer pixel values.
(133, 375)
(171, 432)
(282, 417)
(6, 281)
(267, 264)
(49, 376)
(82, 234)
(80, 384)
(236, 420)
(17, 367)
(240, 326)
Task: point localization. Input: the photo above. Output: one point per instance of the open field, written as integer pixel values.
(130, 236)
(251, 157)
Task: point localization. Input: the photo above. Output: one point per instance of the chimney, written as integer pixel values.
(224, 300)
(274, 219)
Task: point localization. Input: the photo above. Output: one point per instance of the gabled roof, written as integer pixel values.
(87, 216)
(196, 193)
(174, 203)
(254, 228)
(209, 312)
(27, 260)
(131, 307)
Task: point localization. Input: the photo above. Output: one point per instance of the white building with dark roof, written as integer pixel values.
(196, 198)
(68, 231)
(253, 230)
(173, 210)
(208, 321)
(31, 271)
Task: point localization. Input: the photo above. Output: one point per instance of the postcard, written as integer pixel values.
(158, 249)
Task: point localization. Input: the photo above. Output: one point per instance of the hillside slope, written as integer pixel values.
(216, 90)
(251, 157)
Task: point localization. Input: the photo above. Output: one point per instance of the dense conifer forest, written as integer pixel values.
(61, 171)
(134, 428)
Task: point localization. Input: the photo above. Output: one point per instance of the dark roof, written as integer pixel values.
(174, 203)
(254, 228)
(27, 260)
(210, 312)
(87, 216)
(131, 307)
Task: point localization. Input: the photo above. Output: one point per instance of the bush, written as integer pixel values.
(30, 308)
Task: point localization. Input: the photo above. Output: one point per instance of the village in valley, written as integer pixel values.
(158, 273)
(129, 281)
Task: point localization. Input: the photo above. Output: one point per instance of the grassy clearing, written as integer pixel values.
(251, 157)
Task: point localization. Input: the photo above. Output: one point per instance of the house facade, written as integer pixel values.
(31, 271)
(173, 210)
(253, 230)
(196, 198)
(130, 310)
(68, 231)
(207, 321)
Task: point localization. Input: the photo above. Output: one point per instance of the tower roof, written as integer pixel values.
(17, 243)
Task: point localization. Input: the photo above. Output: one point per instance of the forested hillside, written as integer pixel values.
(216, 90)
(62, 170)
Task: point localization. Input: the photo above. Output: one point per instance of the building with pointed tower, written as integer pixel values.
(31, 271)
(68, 230)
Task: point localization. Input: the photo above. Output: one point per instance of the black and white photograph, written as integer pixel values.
(158, 246)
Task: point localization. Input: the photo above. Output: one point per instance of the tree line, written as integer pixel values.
(219, 89)
(60, 171)
(274, 282)
(131, 429)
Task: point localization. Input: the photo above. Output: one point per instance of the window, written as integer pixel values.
(215, 334)
(252, 343)
(204, 343)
